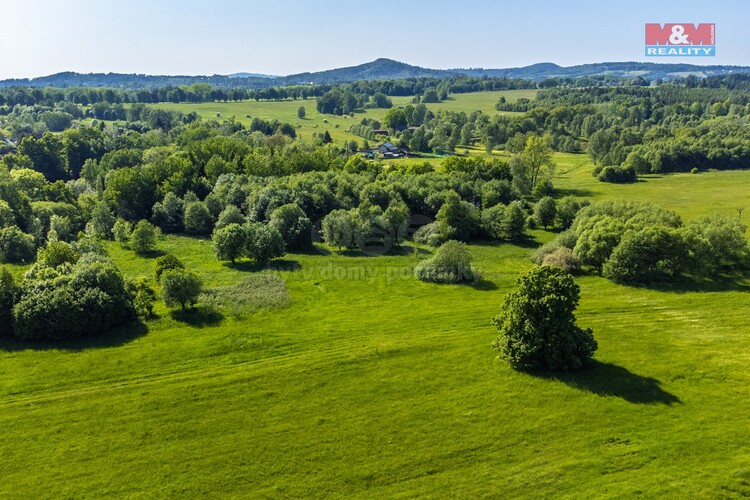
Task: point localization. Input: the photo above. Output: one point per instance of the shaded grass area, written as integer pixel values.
(113, 338)
(609, 380)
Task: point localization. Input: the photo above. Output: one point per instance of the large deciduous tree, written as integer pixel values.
(534, 163)
(180, 287)
(294, 226)
(395, 119)
(537, 324)
(143, 238)
(338, 229)
(264, 242)
(230, 242)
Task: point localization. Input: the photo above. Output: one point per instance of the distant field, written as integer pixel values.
(286, 111)
(372, 384)
(690, 195)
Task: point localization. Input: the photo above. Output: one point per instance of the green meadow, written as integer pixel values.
(690, 195)
(371, 384)
(314, 122)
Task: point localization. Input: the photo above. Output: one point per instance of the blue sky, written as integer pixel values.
(41, 37)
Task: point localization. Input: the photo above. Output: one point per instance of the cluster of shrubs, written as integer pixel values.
(70, 291)
(616, 174)
(235, 237)
(254, 240)
(636, 242)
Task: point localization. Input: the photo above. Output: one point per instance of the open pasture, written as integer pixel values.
(373, 384)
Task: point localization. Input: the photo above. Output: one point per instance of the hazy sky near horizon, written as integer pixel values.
(42, 37)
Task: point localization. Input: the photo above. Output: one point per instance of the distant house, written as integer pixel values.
(388, 150)
(380, 131)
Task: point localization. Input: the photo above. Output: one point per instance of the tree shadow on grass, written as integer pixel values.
(198, 317)
(526, 242)
(484, 285)
(151, 254)
(722, 283)
(114, 337)
(311, 250)
(608, 380)
(250, 266)
(409, 250)
(577, 192)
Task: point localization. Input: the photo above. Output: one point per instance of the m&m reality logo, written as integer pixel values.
(680, 39)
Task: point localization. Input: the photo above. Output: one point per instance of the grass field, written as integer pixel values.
(372, 384)
(286, 111)
(690, 195)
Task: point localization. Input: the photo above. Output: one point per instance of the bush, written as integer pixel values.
(451, 264)
(143, 238)
(651, 255)
(166, 262)
(429, 234)
(618, 175)
(179, 287)
(142, 295)
(564, 258)
(537, 324)
(16, 246)
(566, 239)
(542, 189)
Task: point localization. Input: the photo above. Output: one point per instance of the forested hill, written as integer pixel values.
(380, 69)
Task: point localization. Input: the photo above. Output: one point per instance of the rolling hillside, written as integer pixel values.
(380, 69)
